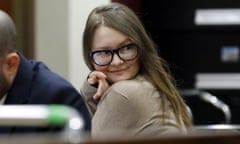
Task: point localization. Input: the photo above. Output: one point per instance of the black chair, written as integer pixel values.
(206, 108)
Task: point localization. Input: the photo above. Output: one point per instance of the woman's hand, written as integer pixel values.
(98, 78)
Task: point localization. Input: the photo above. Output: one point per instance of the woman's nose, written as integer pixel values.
(116, 60)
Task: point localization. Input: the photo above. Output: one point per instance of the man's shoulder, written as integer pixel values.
(48, 80)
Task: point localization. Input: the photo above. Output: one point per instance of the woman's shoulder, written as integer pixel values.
(136, 82)
(136, 86)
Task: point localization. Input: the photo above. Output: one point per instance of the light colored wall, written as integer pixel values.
(59, 26)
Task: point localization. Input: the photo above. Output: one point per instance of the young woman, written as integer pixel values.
(129, 90)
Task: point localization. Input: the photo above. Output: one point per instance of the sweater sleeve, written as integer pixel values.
(87, 91)
(132, 108)
(114, 114)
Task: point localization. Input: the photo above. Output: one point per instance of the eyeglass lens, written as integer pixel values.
(104, 57)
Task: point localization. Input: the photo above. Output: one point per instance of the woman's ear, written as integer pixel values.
(10, 65)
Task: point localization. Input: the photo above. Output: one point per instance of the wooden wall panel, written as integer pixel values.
(6, 5)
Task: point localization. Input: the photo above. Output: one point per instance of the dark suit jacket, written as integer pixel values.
(36, 84)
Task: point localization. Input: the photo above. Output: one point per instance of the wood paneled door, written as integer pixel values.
(22, 13)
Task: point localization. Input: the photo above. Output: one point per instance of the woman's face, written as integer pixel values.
(106, 38)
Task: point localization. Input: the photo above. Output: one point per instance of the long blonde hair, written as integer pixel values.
(153, 67)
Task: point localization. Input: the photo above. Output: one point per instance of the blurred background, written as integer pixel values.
(200, 40)
(51, 31)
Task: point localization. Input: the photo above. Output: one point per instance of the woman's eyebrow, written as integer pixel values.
(102, 48)
(126, 41)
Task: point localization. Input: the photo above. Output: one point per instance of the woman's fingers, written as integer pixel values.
(102, 87)
(95, 76)
(99, 78)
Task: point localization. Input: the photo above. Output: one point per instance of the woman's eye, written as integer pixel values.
(104, 53)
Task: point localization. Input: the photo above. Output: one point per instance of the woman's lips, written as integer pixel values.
(118, 70)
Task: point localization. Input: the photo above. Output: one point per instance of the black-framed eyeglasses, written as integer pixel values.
(104, 57)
